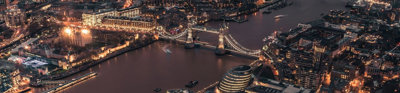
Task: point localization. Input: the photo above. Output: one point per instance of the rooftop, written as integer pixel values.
(34, 63)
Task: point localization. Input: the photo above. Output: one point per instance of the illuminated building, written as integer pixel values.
(308, 79)
(129, 12)
(95, 19)
(303, 59)
(265, 85)
(344, 71)
(275, 88)
(16, 77)
(236, 80)
(222, 4)
(14, 17)
(129, 24)
(165, 3)
(5, 75)
(126, 20)
(64, 64)
(128, 3)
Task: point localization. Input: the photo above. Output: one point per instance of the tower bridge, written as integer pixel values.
(226, 43)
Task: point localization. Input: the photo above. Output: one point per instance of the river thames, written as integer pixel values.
(142, 70)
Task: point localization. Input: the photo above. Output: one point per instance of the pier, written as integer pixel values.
(72, 83)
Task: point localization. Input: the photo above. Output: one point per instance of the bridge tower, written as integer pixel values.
(189, 40)
(221, 44)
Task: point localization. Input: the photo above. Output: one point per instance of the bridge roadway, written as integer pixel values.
(209, 46)
(206, 29)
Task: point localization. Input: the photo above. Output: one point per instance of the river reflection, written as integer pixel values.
(142, 70)
(251, 33)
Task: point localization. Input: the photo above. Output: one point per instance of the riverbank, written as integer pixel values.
(147, 68)
(84, 67)
(272, 5)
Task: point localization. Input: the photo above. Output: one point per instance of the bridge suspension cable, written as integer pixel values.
(240, 48)
(165, 34)
(205, 29)
(238, 44)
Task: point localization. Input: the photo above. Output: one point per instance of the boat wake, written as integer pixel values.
(166, 50)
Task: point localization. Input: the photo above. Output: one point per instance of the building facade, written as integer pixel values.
(14, 17)
(120, 20)
(128, 24)
(236, 80)
(165, 3)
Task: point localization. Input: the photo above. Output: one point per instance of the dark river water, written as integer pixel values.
(142, 70)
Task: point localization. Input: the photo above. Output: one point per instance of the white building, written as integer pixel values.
(95, 19)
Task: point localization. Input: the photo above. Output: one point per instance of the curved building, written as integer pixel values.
(236, 80)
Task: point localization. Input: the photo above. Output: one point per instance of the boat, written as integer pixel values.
(349, 5)
(240, 20)
(192, 84)
(267, 12)
(157, 90)
(166, 50)
(279, 16)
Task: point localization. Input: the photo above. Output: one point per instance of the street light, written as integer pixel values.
(85, 31)
(26, 47)
(68, 31)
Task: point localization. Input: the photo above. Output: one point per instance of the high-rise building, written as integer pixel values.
(236, 80)
(1, 17)
(95, 19)
(344, 71)
(273, 86)
(308, 78)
